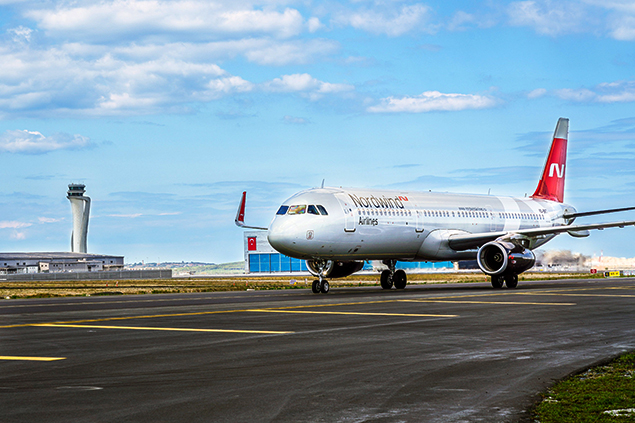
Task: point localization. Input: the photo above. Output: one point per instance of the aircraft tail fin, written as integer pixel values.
(551, 185)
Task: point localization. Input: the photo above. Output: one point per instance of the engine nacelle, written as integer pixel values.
(334, 269)
(501, 257)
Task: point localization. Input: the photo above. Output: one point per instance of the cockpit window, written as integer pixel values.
(283, 210)
(322, 210)
(312, 209)
(301, 209)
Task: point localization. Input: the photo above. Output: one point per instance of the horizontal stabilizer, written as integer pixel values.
(593, 213)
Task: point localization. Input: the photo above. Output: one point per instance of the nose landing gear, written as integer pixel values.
(321, 285)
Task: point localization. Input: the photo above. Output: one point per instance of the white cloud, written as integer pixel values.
(550, 18)
(432, 101)
(623, 27)
(49, 220)
(128, 216)
(38, 82)
(146, 56)
(390, 22)
(13, 224)
(97, 80)
(461, 21)
(33, 142)
(125, 18)
(305, 83)
(295, 82)
(292, 120)
(537, 93)
(21, 34)
(314, 24)
(291, 52)
(607, 92)
(575, 94)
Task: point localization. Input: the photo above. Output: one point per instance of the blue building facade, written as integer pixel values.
(260, 257)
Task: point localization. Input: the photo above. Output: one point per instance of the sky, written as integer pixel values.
(168, 110)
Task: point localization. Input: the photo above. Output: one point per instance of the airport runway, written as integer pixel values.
(430, 353)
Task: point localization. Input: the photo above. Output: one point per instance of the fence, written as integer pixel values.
(84, 276)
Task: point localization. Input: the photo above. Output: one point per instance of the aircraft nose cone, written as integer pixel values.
(281, 239)
(289, 237)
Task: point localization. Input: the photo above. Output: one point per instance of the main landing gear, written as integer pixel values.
(392, 277)
(511, 280)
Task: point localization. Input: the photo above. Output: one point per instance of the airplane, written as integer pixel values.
(336, 229)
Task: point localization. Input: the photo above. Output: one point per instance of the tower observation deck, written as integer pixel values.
(80, 206)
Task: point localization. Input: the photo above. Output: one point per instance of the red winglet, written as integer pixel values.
(240, 214)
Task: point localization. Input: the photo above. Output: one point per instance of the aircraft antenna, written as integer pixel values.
(322, 184)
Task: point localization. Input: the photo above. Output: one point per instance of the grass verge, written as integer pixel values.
(43, 289)
(605, 393)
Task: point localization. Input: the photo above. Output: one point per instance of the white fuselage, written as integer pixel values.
(396, 225)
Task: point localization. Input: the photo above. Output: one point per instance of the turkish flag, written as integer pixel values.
(251, 243)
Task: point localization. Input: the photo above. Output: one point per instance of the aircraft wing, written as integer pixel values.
(460, 242)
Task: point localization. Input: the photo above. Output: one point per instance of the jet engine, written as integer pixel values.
(333, 269)
(503, 257)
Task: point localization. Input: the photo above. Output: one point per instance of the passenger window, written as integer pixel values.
(301, 209)
(283, 210)
(322, 210)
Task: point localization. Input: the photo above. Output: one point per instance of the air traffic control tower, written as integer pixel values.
(80, 206)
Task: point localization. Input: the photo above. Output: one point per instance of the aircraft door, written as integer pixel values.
(419, 221)
(349, 214)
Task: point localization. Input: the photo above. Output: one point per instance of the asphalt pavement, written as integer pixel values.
(429, 353)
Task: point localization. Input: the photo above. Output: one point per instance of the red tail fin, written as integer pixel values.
(551, 185)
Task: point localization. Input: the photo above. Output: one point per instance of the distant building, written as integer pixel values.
(80, 206)
(15, 263)
(260, 257)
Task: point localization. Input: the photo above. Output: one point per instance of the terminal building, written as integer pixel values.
(18, 263)
(260, 257)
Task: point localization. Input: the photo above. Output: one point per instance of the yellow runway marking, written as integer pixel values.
(350, 313)
(578, 295)
(201, 313)
(489, 302)
(58, 325)
(297, 309)
(9, 357)
(109, 319)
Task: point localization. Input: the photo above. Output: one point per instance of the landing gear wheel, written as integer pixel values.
(325, 287)
(385, 280)
(511, 281)
(400, 279)
(497, 281)
(315, 287)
